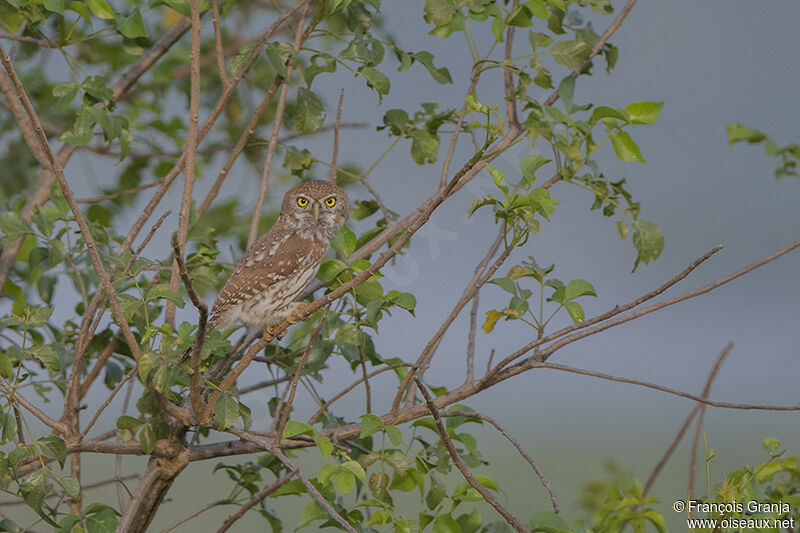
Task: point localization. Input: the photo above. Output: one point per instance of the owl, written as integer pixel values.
(276, 268)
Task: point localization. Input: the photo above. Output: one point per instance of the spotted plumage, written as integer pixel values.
(278, 266)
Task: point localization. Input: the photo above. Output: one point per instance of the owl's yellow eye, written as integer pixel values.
(302, 201)
(330, 202)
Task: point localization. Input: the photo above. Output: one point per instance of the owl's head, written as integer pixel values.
(316, 205)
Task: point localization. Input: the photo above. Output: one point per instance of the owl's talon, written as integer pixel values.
(297, 314)
(271, 332)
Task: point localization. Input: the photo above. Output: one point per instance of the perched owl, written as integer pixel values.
(261, 291)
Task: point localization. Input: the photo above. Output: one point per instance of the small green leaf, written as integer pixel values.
(528, 166)
(100, 8)
(241, 58)
(53, 447)
(344, 242)
(162, 291)
(325, 446)
(356, 469)
(506, 284)
(370, 424)
(647, 240)
(622, 229)
(376, 79)
(577, 288)
(395, 435)
(424, 146)
(644, 112)
(309, 111)
(538, 9)
(226, 411)
(625, 148)
(739, 132)
(293, 429)
(132, 26)
(440, 75)
(47, 355)
(329, 269)
(445, 523)
(13, 227)
(344, 481)
(575, 311)
(279, 54)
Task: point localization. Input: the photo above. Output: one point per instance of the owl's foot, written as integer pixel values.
(271, 332)
(296, 312)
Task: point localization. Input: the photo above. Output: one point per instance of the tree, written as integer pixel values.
(143, 80)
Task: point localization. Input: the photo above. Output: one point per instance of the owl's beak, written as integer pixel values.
(316, 212)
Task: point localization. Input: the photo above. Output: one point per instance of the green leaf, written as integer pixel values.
(445, 523)
(440, 75)
(325, 446)
(395, 435)
(356, 469)
(147, 439)
(377, 80)
(100, 8)
(132, 26)
(226, 411)
(571, 54)
(13, 227)
(104, 521)
(241, 58)
(344, 481)
(279, 54)
(739, 132)
(487, 482)
(162, 291)
(625, 148)
(329, 269)
(53, 447)
(439, 12)
(293, 429)
(492, 317)
(344, 242)
(470, 523)
(622, 229)
(575, 311)
(528, 166)
(424, 146)
(644, 112)
(577, 288)
(71, 486)
(538, 9)
(602, 111)
(549, 522)
(309, 111)
(506, 284)
(647, 240)
(498, 178)
(47, 355)
(370, 424)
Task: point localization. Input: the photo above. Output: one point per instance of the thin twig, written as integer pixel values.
(195, 388)
(15, 397)
(335, 155)
(204, 508)
(483, 491)
(702, 412)
(287, 407)
(223, 74)
(276, 126)
(478, 280)
(686, 423)
(248, 132)
(613, 312)
(324, 407)
(191, 147)
(257, 497)
(365, 377)
(106, 403)
(118, 194)
(516, 444)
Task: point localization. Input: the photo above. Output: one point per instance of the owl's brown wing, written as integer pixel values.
(278, 255)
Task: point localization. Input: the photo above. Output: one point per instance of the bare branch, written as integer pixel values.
(338, 125)
(287, 407)
(483, 491)
(517, 445)
(257, 497)
(223, 74)
(204, 508)
(106, 403)
(276, 126)
(682, 431)
(15, 397)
